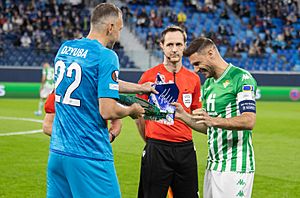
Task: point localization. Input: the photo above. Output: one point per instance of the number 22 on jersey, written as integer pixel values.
(60, 69)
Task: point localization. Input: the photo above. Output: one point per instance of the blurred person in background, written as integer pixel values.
(47, 85)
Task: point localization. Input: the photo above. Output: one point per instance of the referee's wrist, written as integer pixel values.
(113, 137)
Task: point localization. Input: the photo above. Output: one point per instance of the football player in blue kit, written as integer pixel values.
(86, 88)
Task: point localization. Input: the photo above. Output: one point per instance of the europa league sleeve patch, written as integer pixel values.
(115, 75)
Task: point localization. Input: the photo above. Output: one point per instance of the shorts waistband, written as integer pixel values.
(77, 156)
(168, 143)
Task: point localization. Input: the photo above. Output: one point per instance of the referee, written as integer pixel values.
(169, 157)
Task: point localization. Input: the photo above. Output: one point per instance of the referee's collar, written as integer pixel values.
(164, 67)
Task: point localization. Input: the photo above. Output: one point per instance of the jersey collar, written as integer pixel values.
(165, 69)
(93, 40)
(224, 73)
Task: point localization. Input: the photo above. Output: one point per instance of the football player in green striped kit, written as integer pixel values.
(47, 86)
(227, 117)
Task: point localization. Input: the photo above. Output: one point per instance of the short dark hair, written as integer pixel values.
(197, 45)
(103, 10)
(172, 28)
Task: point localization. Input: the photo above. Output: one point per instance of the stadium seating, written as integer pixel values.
(46, 36)
(201, 21)
(228, 25)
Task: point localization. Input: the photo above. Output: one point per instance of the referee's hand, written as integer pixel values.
(180, 112)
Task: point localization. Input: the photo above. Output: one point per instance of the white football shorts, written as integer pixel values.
(227, 184)
(45, 92)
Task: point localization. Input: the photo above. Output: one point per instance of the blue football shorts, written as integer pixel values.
(70, 176)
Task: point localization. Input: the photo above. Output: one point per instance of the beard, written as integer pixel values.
(207, 72)
(110, 45)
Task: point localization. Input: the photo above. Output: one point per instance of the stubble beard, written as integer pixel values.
(110, 45)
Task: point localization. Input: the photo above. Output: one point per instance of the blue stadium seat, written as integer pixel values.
(223, 50)
(245, 20)
(277, 21)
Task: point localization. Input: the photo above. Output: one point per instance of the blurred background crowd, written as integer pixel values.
(259, 35)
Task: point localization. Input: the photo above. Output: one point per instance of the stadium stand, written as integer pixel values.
(246, 33)
(32, 31)
(255, 35)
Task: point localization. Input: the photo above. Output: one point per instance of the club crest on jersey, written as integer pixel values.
(187, 100)
(226, 83)
(115, 75)
(248, 88)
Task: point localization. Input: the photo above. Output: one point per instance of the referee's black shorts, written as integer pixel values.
(167, 164)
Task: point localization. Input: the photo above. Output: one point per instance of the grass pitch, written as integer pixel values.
(276, 139)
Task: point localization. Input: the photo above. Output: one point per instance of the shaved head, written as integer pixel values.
(104, 13)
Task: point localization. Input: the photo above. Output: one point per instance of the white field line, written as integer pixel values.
(21, 132)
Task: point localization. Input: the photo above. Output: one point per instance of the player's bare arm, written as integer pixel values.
(188, 119)
(140, 123)
(115, 129)
(245, 121)
(110, 109)
(47, 123)
(128, 87)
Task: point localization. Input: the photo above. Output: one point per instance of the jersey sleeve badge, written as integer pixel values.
(247, 88)
(246, 99)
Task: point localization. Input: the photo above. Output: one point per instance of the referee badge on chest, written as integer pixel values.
(187, 99)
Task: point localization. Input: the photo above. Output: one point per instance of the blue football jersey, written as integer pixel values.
(84, 71)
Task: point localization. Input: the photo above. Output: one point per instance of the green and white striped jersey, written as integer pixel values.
(229, 96)
(49, 73)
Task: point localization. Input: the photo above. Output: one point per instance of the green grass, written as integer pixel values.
(276, 138)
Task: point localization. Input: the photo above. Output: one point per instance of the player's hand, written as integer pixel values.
(115, 129)
(148, 88)
(180, 112)
(137, 111)
(200, 116)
